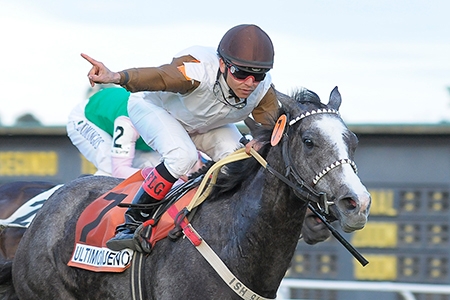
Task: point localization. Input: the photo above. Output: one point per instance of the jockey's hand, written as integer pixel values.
(255, 144)
(99, 73)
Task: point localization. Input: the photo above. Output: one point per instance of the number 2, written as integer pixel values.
(116, 143)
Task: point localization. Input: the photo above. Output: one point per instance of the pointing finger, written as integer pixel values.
(90, 59)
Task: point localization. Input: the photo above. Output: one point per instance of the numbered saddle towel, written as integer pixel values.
(98, 222)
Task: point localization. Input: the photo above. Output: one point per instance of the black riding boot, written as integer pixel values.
(154, 188)
(124, 237)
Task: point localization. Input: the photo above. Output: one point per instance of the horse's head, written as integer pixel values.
(317, 139)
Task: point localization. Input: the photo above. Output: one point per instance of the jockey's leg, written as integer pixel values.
(218, 142)
(154, 188)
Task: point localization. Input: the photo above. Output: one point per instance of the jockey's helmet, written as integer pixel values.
(248, 47)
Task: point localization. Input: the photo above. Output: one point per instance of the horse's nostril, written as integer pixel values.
(349, 203)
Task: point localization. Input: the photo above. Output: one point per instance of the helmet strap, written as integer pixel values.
(225, 76)
(230, 91)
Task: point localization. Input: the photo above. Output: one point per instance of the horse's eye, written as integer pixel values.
(308, 143)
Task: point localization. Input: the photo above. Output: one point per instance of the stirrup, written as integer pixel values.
(142, 237)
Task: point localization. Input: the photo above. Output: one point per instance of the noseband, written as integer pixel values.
(334, 165)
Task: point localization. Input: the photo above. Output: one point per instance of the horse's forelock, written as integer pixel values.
(301, 100)
(305, 96)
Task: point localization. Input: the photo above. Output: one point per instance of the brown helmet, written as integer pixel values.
(247, 46)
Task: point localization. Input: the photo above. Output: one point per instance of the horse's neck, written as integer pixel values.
(255, 230)
(267, 223)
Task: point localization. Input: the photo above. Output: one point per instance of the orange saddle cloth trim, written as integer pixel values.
(98, 222)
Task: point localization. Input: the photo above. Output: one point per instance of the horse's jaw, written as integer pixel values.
(314, 230)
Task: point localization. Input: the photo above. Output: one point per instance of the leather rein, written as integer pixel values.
(301, 188)
(306, 192)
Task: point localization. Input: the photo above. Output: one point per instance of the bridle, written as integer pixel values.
(301, 189)
(307, 192)
(320, 198)
(334, 165)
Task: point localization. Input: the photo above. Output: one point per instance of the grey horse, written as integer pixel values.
(252, 220)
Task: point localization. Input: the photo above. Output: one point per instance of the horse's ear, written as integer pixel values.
(335, 99)
(251, 124)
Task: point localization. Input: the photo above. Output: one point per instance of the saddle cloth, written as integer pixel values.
(98, 222)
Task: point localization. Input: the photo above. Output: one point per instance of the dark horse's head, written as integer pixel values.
(320, 142)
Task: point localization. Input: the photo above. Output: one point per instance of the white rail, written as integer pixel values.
(406, 290)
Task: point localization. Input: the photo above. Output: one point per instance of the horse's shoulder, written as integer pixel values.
(93, 182)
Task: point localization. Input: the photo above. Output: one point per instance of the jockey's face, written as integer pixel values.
(241, 87)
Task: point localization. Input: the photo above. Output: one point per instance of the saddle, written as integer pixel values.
(166, 221)
(97, 224)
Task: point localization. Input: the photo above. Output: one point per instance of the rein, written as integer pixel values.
(290, 168)
(212, 258)
(303, 191)
(308, 191)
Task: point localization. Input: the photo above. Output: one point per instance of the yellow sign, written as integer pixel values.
(376, 235)
(382, 203)
(86, 166)
(33, 163)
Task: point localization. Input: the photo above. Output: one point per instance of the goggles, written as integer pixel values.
(240, 74)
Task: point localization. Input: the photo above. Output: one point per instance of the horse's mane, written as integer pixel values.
(234, 174)
(305, 96)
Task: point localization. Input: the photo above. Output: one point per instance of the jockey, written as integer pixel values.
(102, 131)
(192, 104)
